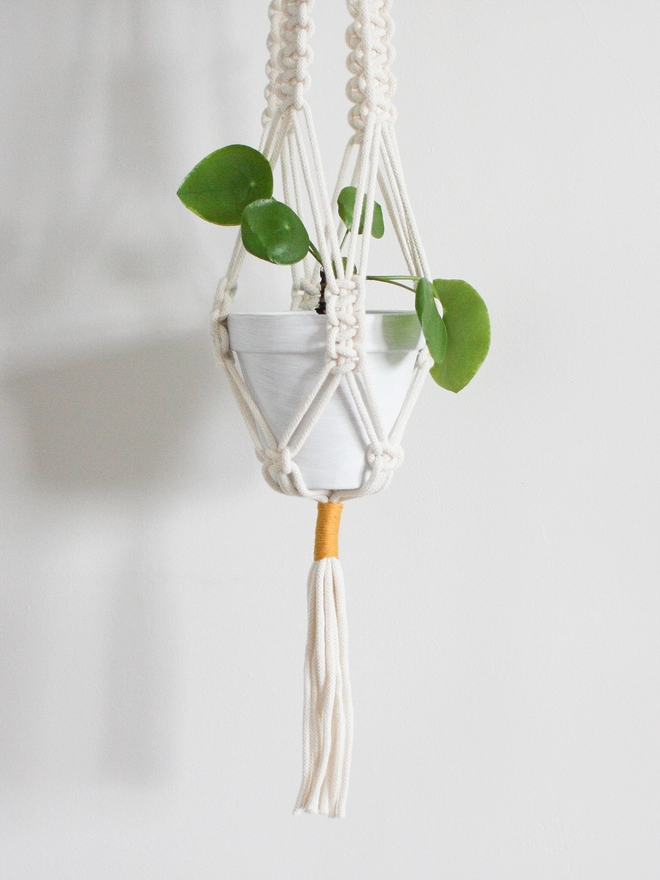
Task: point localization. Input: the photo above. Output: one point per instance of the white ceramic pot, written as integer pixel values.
(281, 355)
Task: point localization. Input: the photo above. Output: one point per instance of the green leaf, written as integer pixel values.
(346, 203)
(222, 185)
(433, 326)
(272, 231)
(468, 333)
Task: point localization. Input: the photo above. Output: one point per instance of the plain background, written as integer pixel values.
(503, 594)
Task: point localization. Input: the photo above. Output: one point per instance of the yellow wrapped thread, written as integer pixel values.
(326, 542)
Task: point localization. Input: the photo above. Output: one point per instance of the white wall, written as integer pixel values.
(503, 593)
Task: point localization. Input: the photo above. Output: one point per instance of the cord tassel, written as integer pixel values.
(328, 708)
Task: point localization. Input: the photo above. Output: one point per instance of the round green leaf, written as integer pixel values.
(223, 184)
(272, 231)
(346, 205)
(433, 326)
(468, 333)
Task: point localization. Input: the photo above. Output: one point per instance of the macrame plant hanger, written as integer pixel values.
(371, 161)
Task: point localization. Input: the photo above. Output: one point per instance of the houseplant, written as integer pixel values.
(233, 186)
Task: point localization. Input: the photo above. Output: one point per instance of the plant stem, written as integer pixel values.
(313, 250)
(394, 277)
(389, 281)
(320, 309)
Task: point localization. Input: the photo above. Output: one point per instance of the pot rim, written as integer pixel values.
(313, 312)
(274, 332)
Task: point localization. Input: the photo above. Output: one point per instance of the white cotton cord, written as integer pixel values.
(274, 45)
(422, 366)
(328, 711)
(247, 403)
(283, 474)
(369, 38)
(309, 403)
(287, 177)
(295, 176)
(369, 414)
(361, 188)
(322, 214)
(369, 198)
(295, 30)
(319, 226)
(392, 150)
(327, 230)
(270, 129)
(245, 411)
(280, 130)
(396, 222)
(289, 199)
(313, 413)
(235, 265)
(304, 294)
(343, 172)
(410, 252)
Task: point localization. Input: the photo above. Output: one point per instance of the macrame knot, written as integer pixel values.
(344, 330)
(385, 456)
(295, 55)
(372, 85)
(304, 295)
(277, 462)
(221, 305)
(274, 45)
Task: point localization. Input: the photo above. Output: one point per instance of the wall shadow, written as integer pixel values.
(112, 433)
(116, 419)
(110, 101)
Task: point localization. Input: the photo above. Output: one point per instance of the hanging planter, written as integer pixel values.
(281, 356)
(326, 389)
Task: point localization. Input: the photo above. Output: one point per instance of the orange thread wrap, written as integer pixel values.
(326, 542)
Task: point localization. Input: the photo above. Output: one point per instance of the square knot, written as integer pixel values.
(276, 461)
(384, 456)
(344, 345)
